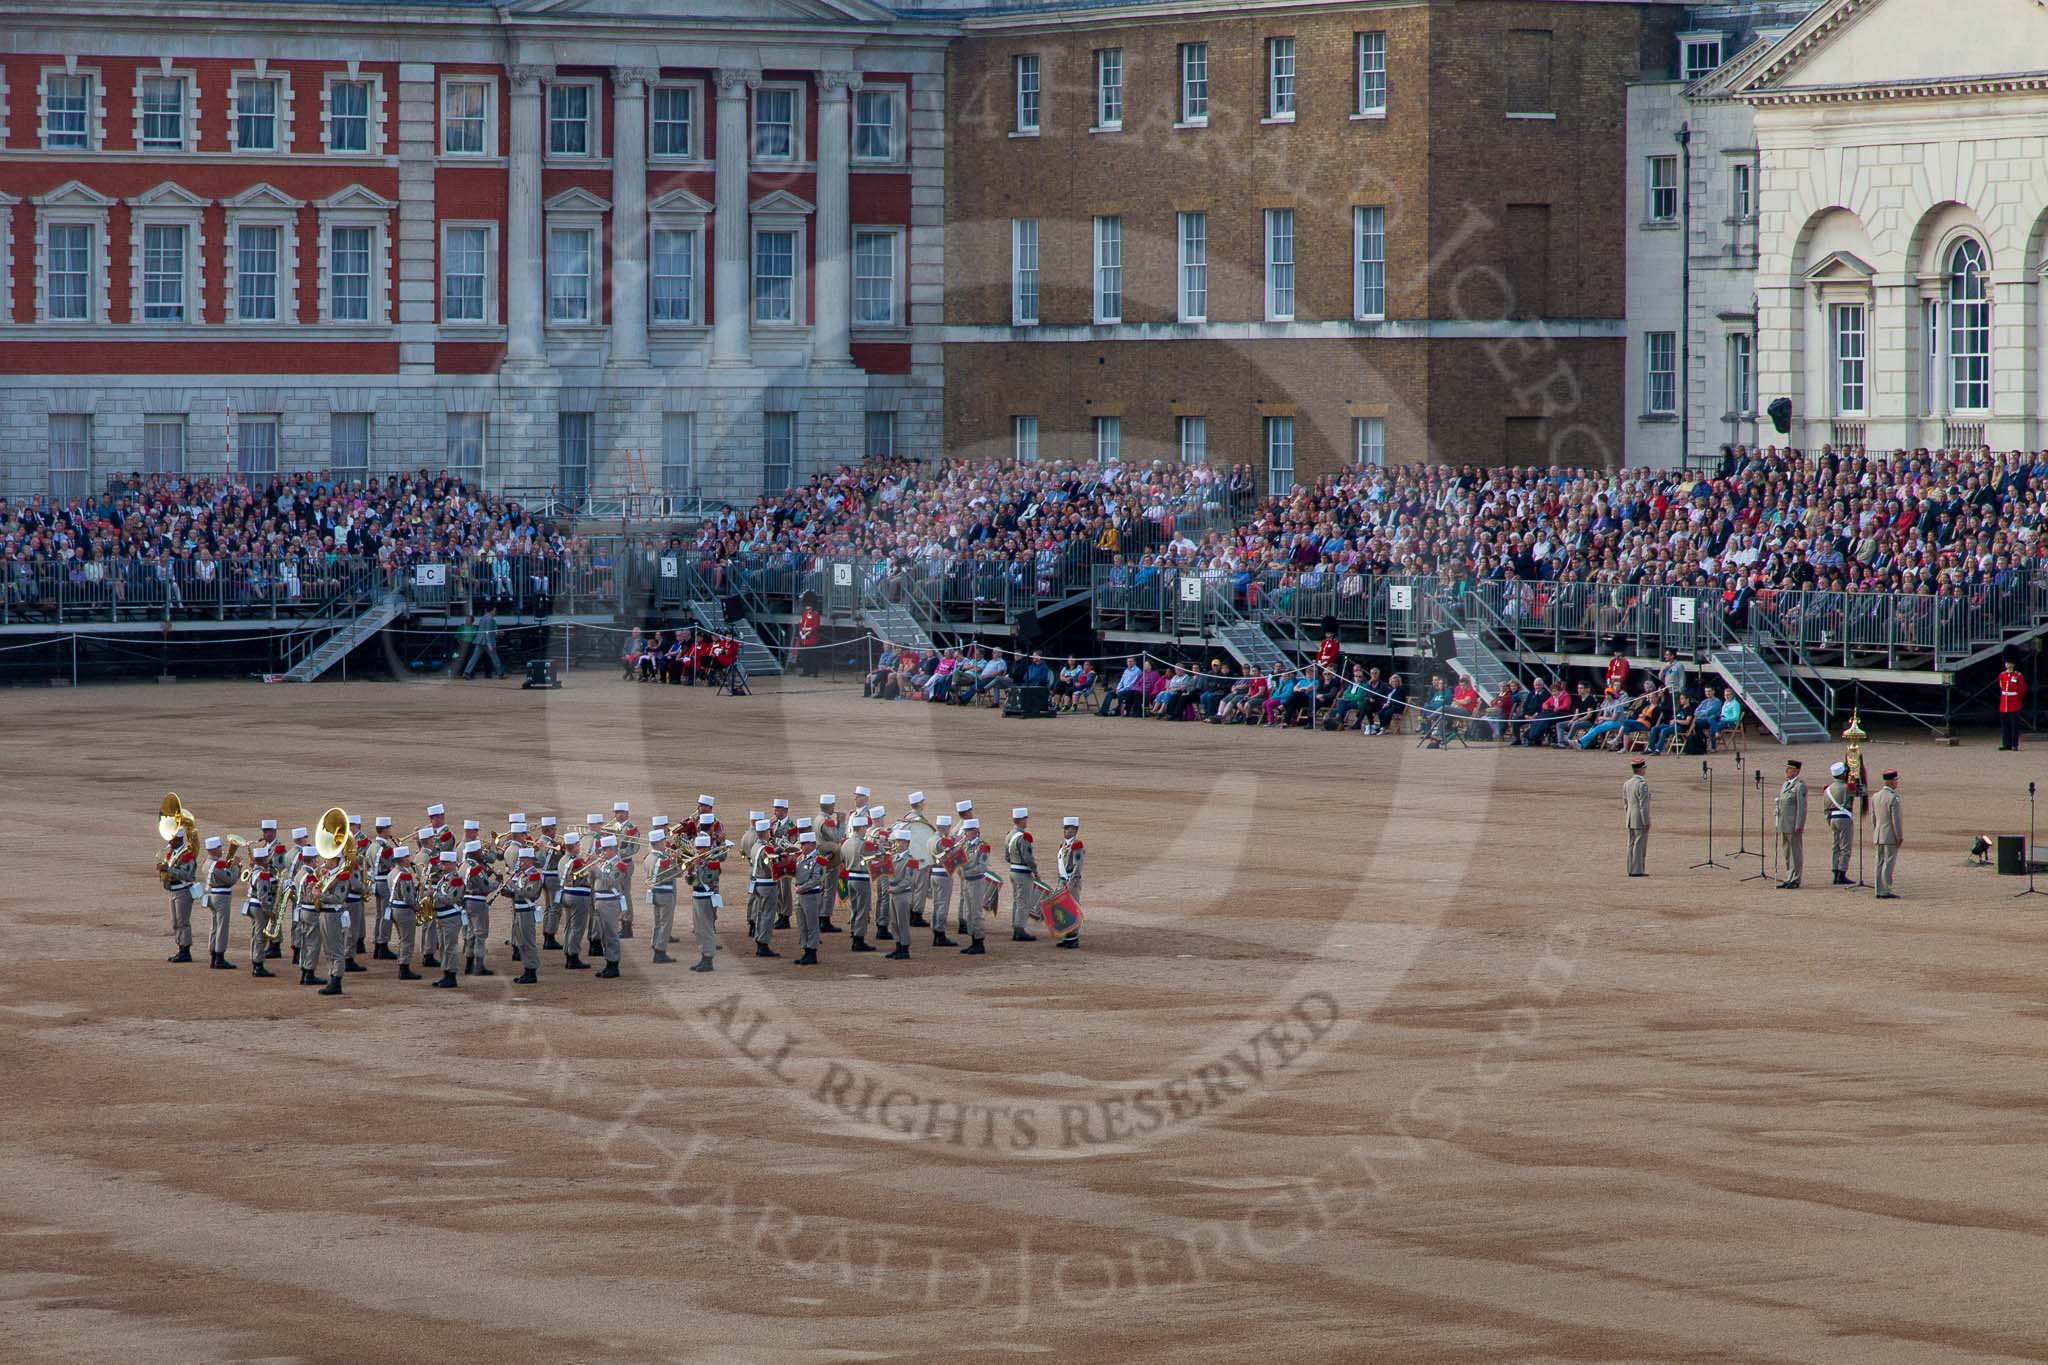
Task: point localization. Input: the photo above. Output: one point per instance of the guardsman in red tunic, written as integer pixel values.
(2012, 690)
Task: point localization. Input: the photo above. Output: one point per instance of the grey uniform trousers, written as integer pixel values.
(608, 908)
(902, 905)
(942, 901)
(327, 942)
(380, 891)
(860, 905)
(447, 931)
(525, 942)
(551, 898)
(973, 902)
(181, 917)
(356, 927)
(1792, 856)
(704, 922)
(1841, 843)
(1023, 898)
(663, 898)
(809, 905)
(259, 921)
(575, 918)
(476, 935)
(1887, 863)
(401, 927)
(222, 903)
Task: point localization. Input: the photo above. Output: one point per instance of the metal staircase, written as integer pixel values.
(346, 637)
(893, 623)
(1474, 658)
(1777, 707)
(755, 656)
(1251, 646)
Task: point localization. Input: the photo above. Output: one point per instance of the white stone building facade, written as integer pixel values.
(612, 247)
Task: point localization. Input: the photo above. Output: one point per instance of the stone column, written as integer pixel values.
(829, 331)
(525, 307)
(629, 214)
(729, 313)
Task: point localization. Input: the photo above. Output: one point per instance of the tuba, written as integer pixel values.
(172, 819)
(331, 839)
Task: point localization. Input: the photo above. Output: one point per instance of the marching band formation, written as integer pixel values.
(430, 896)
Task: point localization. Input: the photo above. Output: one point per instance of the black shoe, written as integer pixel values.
(351, 965)
(826, 926)
(1788, 886)
(274, 951)
(1068, 943)
(782, 921)
(918, 921)
(1019, 936)
(574, 963)
(529, 977)
(860, 945)
(482, 970)
(763, 950)
(333, 986)
(182, 955)
(260, 970)
(428, 960)
(406, 973)
(808, 959)
(383, 953)
(447, 978)
(1887, 895)
(548, 941)
(515, 953)
(901, 952)
(663, 957)
(226, 965)
(939, 940)
(610, 969)
(469, 966)
(974, 949)
(306, 976)
(703, 965)
(597, 947)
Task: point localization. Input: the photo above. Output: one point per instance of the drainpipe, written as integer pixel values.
(1684, 136)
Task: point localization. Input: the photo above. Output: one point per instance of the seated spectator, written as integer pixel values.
(1036, 674)
(1465, 704)
(650, 657)
(1128, 693)
(966, 676)
(1554, 710)
(1179, 693)
(994, 681)
(629, 657)
(1587, 711)
(1269, 709)
(883, 671)
(1669, 719)
(1247, 707)
(1435, 709)
(941, 676)
(1150, 681)
(1731, 713)
(1067, 689)
(1394, 702)
(1349, 711)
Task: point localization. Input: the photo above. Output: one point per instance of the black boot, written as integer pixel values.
(469, 966)
(1019, 936)
(882, 934)
(597, 947)
(274, 951)
(213, 962)
(182, 955)
(482, 970)
(574, 963)
(626, 931)
(826, 926)
(809, 958)
(763, 950)
(515, 952)
(703, 965)
(918, 921)
(782, 921)
(900, 952)
(549, 941)
(382, 953)
(306, 977)
(974, 949)
(860, 945)
(406, 973)
(258, 969)
(333, 986)
(663, 957)
(226, 965)
(351, 965)
(1068, 943)
(529, 977)
(447, 978)
(429, 960)
(295, 957)
(939, 939)
(610, 969)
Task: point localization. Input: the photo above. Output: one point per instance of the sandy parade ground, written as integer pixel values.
(1371, 1053)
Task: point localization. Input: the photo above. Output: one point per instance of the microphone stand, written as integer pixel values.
(2027, 856)
(1707, 771)
(1756, 775)
(1742, 813)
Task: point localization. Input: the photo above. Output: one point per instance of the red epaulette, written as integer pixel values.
(1027, 837)
(1077, 843)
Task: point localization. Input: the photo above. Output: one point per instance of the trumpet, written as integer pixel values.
(700, 856)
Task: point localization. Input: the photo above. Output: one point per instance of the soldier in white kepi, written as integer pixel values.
(1068, 865)
(810, 893)
(447, 896)
(220, 875)
(1023, 875)
(976, 881)
(761, 890)
(550, 882)
(380, 860)
(269, 838)
(964, 813)
(831, 828)
(704, 901)
(859, 890)
(605, 882)
(663, 866)
(576, 898)
(259, 905)
(401, 909)
(524, 887)
(944, 861)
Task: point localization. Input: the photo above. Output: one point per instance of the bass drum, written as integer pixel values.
(922, 840)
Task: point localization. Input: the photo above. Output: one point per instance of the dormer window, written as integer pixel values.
(1700, 55)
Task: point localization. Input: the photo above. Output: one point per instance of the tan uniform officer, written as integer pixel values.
(221, 876)
(523, 886)
(402, 894)
(259, 904)
(945, 860)
(831, 830)
(479, 887)
(593, 844)
(294, 899)
(605, 883)
(782, 829)
(333, 936)
(976, 881)
(1841, 822)
(628, 835)
(858, 849)
(923, 894)
(447, 896)
(1023, 859)
(963, 811)
(1635, 811)
(704, 901)
(809, 881)
(1888, 822)
(179, 867)
(1792, 825)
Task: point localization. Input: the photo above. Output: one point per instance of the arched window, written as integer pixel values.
(1969, 328)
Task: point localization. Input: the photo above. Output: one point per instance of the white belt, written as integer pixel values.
(759, 882)
(607, 895)
(856, 876)
(575, 890)
(525, 907)
(179, 886)
(702, 894)
(1015, 868)
(941, 872)
(476, 898)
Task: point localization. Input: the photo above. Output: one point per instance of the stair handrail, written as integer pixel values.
(1768, 640)
(1483, 618)
(322, 623)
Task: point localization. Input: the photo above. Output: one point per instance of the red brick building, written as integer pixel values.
(689, 246)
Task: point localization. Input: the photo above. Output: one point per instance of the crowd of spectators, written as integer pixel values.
(196, 543)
